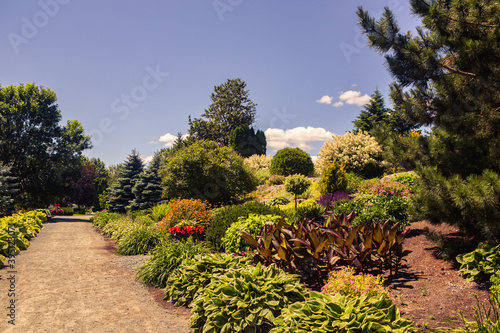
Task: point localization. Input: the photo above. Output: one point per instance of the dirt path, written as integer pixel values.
(70, 280)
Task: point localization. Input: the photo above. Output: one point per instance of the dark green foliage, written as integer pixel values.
(166, 259)
(140, 240)
(231, 107)
(8, 188)
(193, 275)
(42, 153)
(246, 142)
(223, 217)
(373, 115)
(326, 313)
(291, 161)
(245, 300)
(333, 178)
(471, 204)
(447, 76)
(208, 172)
(121, 195)
(147, 191)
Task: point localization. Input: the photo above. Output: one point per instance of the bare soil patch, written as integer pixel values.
(70, 279)
(429, 289)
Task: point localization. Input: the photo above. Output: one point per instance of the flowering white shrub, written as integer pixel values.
(258, 162)
(359, 153)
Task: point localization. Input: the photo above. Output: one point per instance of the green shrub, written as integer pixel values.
(223, 217)
(141, 240)
(258, 162)
(407, 178)
(278, 200)
(326, 313)
(384, 187)
(333, 178)
(311, 211)
(359, 153)
(186, 209)
(353, 180)
(480, 263)
(67, 210)
(100, 219)
(232, 241)
(371, 208)
(166, 259)
(159, 211)
(208, 172)
(471, 204)
(297, 185)
(245, 300)
(291, 161)
(193, 275)
(495, 288)
(347, 283)
(276, 180)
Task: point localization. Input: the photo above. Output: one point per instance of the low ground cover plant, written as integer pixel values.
(100, 219)
(346, 282)
(17, 230)
(166, 259)
(193, 275)
(142, 239)
(326, 313)
(245, 299)
(481, 263)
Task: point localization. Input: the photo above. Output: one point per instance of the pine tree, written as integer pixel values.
(8, 188)
(148, 190)
(121, 195)
(447, 76)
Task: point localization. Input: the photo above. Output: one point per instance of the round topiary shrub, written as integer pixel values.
(333, 178)
(206, 171)
(290, 161)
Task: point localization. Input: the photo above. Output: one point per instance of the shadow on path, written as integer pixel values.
(59, 219)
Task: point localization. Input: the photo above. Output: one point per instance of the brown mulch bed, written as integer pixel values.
(429, 289)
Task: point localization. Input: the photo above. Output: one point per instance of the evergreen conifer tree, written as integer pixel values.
(8, 188)
(148, 190)
(246, 142)
(373, 115)
(121, 195)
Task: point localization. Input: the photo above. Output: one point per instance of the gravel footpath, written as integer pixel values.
(70, 280)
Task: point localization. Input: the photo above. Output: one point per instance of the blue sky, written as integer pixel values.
(132, 71)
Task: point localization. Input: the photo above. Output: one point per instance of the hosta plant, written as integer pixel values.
(193, 275)
(326, 313)
(480, 263)
(245, 300)
(166, 259)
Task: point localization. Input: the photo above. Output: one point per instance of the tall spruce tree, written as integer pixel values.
(374, 114)
(148, 190)
(121, 195)
(8, 188)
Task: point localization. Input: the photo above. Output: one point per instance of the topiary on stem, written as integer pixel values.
(297, 185)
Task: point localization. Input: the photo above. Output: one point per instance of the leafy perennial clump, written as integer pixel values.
(346, 283)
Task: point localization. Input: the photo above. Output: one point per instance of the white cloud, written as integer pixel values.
(353, 98)
(325, 100)
(296, 137)
(350, 97)
(147, 159)
(169, 139)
